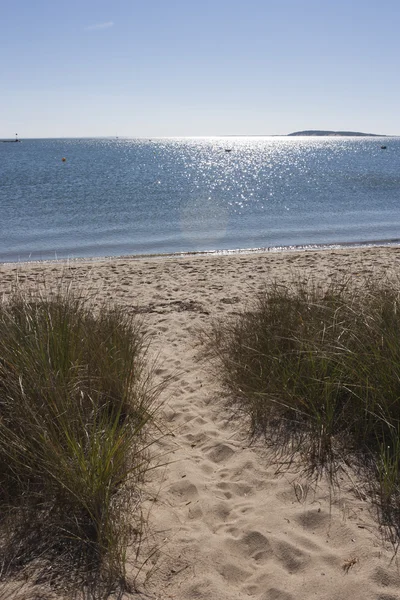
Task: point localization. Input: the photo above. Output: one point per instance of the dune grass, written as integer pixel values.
(76, 400)
(317, 368)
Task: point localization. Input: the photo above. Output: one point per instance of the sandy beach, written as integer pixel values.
(229, 522)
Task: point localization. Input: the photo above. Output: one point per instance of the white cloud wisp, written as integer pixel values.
(98, 26)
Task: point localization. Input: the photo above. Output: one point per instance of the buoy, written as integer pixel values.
(64, 159)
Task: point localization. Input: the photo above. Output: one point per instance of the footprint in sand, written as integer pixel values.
(276, 594)
(220, 453)
(185, 491)
(252, 544)
(292, 557)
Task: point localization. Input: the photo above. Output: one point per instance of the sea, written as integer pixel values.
(104, 197)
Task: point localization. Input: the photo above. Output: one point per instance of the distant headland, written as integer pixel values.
(317, 132)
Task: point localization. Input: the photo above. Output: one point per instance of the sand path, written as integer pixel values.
(229, 523)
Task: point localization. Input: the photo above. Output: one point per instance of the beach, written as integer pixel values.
(228, 519)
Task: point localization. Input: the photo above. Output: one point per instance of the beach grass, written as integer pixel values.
(76, 402)
(316, 367)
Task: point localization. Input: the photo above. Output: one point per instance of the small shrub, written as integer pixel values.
(319, 367)
(75, 399)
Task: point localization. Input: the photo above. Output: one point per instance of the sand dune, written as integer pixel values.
(229, 522)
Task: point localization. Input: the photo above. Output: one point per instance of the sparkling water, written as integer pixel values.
(113, 197)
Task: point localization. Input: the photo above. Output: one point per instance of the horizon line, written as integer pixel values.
(224, 135)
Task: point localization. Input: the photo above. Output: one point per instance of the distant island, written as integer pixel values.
(316, 132)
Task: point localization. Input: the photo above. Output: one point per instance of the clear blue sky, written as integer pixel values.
(198, 67)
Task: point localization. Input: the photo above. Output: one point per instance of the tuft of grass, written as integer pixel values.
(76, 403)
(317, 367)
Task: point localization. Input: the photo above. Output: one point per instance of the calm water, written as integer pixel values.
(127, 196)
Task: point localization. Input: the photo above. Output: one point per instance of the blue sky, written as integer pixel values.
(185, 67)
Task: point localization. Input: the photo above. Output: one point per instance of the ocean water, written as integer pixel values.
(114, 197)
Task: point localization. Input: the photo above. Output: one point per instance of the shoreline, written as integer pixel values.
(297, 248)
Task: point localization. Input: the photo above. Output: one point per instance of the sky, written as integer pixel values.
(161, 68)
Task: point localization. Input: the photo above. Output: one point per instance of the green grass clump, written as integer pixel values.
(318, 367)
(75, 399)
